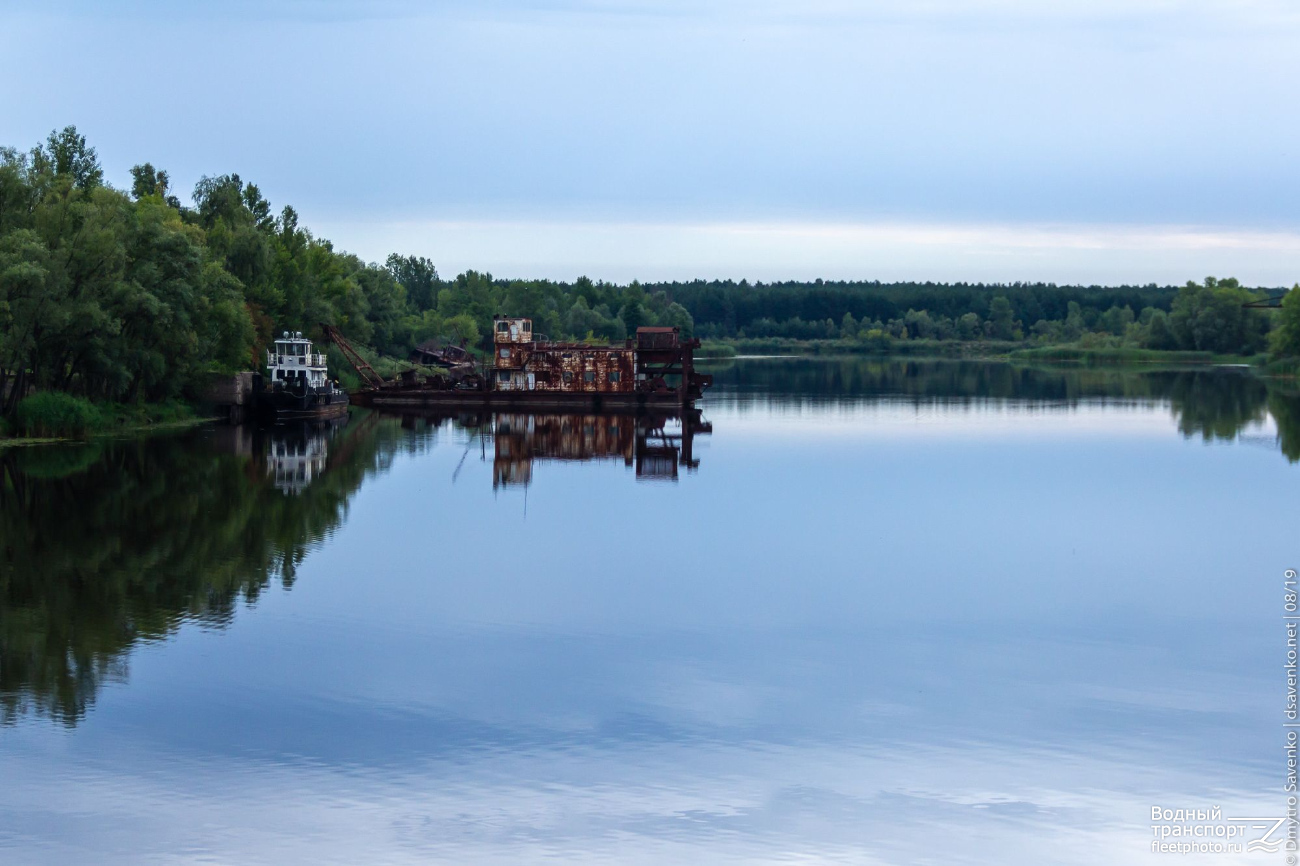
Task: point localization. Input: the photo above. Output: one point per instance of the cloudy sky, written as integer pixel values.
(1078, 140)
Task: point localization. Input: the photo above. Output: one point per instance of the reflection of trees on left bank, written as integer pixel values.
(109, 544)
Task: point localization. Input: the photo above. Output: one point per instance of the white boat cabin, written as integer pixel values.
(292, 359)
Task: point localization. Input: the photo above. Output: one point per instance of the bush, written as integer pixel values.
(714, 349)
(52, 413)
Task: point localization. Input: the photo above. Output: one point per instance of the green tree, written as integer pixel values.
(1002, 322)
(1158, 333)
(677, 316)
(1212, 317)
(147, 181)
(969, 326)
(634, 316)
(419, 277)
(65, 154)
(1116, 320)
(848, 326)
(1285, 340)
(463, 328)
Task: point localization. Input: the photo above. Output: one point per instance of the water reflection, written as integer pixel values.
(296, 456)
(655, 445)
(856, 648)
(1212, 403)
(111, 544)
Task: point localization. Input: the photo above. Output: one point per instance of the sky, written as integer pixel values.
(1093, 141)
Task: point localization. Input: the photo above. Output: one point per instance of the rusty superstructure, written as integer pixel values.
(655, 369)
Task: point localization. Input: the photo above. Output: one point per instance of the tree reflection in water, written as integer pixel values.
(1212, 403)
(113, 543)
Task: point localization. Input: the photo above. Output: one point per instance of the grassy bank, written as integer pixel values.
(1095, 356)
(1100, 357)
(52, 417)
(729, 348)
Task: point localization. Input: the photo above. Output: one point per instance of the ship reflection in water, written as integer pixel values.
(655, 445)
(658, 446)
(296, 454)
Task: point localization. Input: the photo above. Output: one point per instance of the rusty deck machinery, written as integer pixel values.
(660, 352)
(653, 371)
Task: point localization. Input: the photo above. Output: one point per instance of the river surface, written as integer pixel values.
(862, 612)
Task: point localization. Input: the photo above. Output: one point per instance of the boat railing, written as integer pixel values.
(314, 360)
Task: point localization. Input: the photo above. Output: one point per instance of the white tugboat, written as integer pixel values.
(298, 383)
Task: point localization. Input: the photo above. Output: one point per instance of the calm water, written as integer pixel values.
(880, 613)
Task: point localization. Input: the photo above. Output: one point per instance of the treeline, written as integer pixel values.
(1209, 316)
(133, 295)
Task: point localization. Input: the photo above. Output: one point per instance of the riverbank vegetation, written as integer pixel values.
(132, 297)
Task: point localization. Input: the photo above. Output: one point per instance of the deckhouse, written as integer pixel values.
(524, 361)
(292, 363)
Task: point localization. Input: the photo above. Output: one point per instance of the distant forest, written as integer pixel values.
(134, 295)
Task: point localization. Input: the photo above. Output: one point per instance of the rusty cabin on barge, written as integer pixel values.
(654, 369)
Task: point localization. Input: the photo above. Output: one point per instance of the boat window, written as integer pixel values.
(613, 377)
(568, 376)
(505, 353)
(503, 327)
(589, 376)
(503, 375)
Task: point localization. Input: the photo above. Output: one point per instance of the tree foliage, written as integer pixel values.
(1286, 339)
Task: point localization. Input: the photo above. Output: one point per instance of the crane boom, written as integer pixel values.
(367, 373)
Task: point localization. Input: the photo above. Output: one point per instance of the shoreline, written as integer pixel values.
(1065, 357)
(20, 441)
(1061, 356)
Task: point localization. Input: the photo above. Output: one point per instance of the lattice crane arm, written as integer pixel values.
(367, 373)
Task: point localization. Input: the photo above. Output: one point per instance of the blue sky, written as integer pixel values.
(1097, 141)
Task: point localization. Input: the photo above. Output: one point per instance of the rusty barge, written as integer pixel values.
(653, 371)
